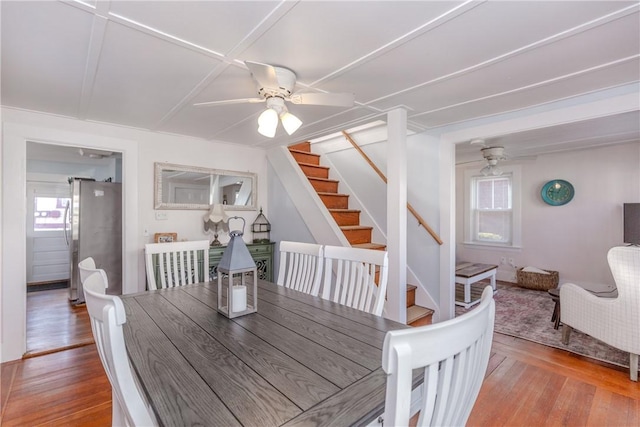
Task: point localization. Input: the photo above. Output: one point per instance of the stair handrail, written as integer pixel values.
(417, 216)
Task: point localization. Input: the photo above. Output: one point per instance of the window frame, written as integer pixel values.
(470, 176)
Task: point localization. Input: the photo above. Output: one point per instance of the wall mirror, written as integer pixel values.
(190, 187)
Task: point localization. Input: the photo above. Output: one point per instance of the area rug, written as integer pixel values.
(526, 314)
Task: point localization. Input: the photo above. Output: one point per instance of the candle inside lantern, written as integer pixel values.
(239, 298)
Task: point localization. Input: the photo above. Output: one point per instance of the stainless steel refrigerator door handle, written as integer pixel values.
(66, 222)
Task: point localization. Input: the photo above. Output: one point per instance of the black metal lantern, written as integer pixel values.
(261, 229)
(234, 267)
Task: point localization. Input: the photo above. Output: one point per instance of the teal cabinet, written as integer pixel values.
(262, 254)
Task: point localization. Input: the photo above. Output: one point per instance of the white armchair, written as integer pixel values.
(615, 321)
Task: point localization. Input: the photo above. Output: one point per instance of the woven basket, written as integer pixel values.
(537, 281)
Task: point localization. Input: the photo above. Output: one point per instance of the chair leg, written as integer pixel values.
(555, 318)
(633, 367)
(566, 333)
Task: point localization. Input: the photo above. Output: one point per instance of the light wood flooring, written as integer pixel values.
(527, 384)
(54, 324)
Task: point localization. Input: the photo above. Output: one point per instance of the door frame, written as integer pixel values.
(13, 251)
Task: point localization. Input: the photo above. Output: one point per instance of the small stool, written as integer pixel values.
(555, 296)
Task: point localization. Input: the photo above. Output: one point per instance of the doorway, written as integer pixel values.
(53, 322)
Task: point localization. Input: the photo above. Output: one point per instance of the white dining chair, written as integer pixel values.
(177, 263)
(87, 267)
(453, 355)
(300, 266)
(107, 317)
(356, 277)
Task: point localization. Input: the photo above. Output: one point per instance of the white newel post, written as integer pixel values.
(397, 215)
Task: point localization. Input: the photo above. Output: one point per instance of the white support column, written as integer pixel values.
(447, 230)
(397, 215)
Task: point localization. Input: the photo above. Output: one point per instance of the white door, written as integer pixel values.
(47, 250)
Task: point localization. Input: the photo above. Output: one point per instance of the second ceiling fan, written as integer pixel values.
(275, 86)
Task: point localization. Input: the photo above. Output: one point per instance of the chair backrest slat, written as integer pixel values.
(300, 266)
(350, 277)
(177, 263)
(454, 355)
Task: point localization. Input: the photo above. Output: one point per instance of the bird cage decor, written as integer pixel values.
(234, 268)
(261, 229)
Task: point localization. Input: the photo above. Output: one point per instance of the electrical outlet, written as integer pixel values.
(503, 260)
(161, 216)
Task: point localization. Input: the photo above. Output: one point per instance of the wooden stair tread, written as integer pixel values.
(416, 312)
(311, 165)
(411, 287)
(339, 210)
(375, 246)
(308, 153)
(316, 178)
(356, 227)
(324, 193)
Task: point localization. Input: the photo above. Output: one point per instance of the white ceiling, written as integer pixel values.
(144, 63)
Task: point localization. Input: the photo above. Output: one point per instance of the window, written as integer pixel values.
(492, 208)
(49, 213)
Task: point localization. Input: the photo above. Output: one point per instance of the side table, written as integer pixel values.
(555, 297)
(602, 291)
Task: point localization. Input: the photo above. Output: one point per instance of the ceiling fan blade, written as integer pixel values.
(331, 99)
(230, 101)
(264, 74)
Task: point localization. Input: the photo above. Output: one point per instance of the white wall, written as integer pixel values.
(572, 239)
(286, 222)
(140, 150)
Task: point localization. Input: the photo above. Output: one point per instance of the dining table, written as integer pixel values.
(300, 360)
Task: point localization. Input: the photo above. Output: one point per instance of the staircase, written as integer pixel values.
(359, 236)
(416, 315)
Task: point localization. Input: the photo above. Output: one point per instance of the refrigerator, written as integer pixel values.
(94, 229)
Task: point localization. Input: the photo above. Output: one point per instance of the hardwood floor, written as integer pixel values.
(526, 384)
(54, 324)
(530, 384)
(67, 388)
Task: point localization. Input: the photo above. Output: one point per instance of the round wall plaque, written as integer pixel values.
(557, 192)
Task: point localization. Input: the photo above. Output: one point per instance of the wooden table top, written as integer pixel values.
(468, 270)
(299, 360)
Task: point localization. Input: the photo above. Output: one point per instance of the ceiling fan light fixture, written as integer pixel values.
(491, 170)
(268, 123)
(290, 122)
(275, 86)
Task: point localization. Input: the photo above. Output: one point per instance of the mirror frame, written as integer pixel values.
(159, 204)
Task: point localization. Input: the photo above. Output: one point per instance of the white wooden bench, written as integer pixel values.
(469, 273)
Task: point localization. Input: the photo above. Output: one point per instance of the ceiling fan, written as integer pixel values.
(275, 86)
(492, 154)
